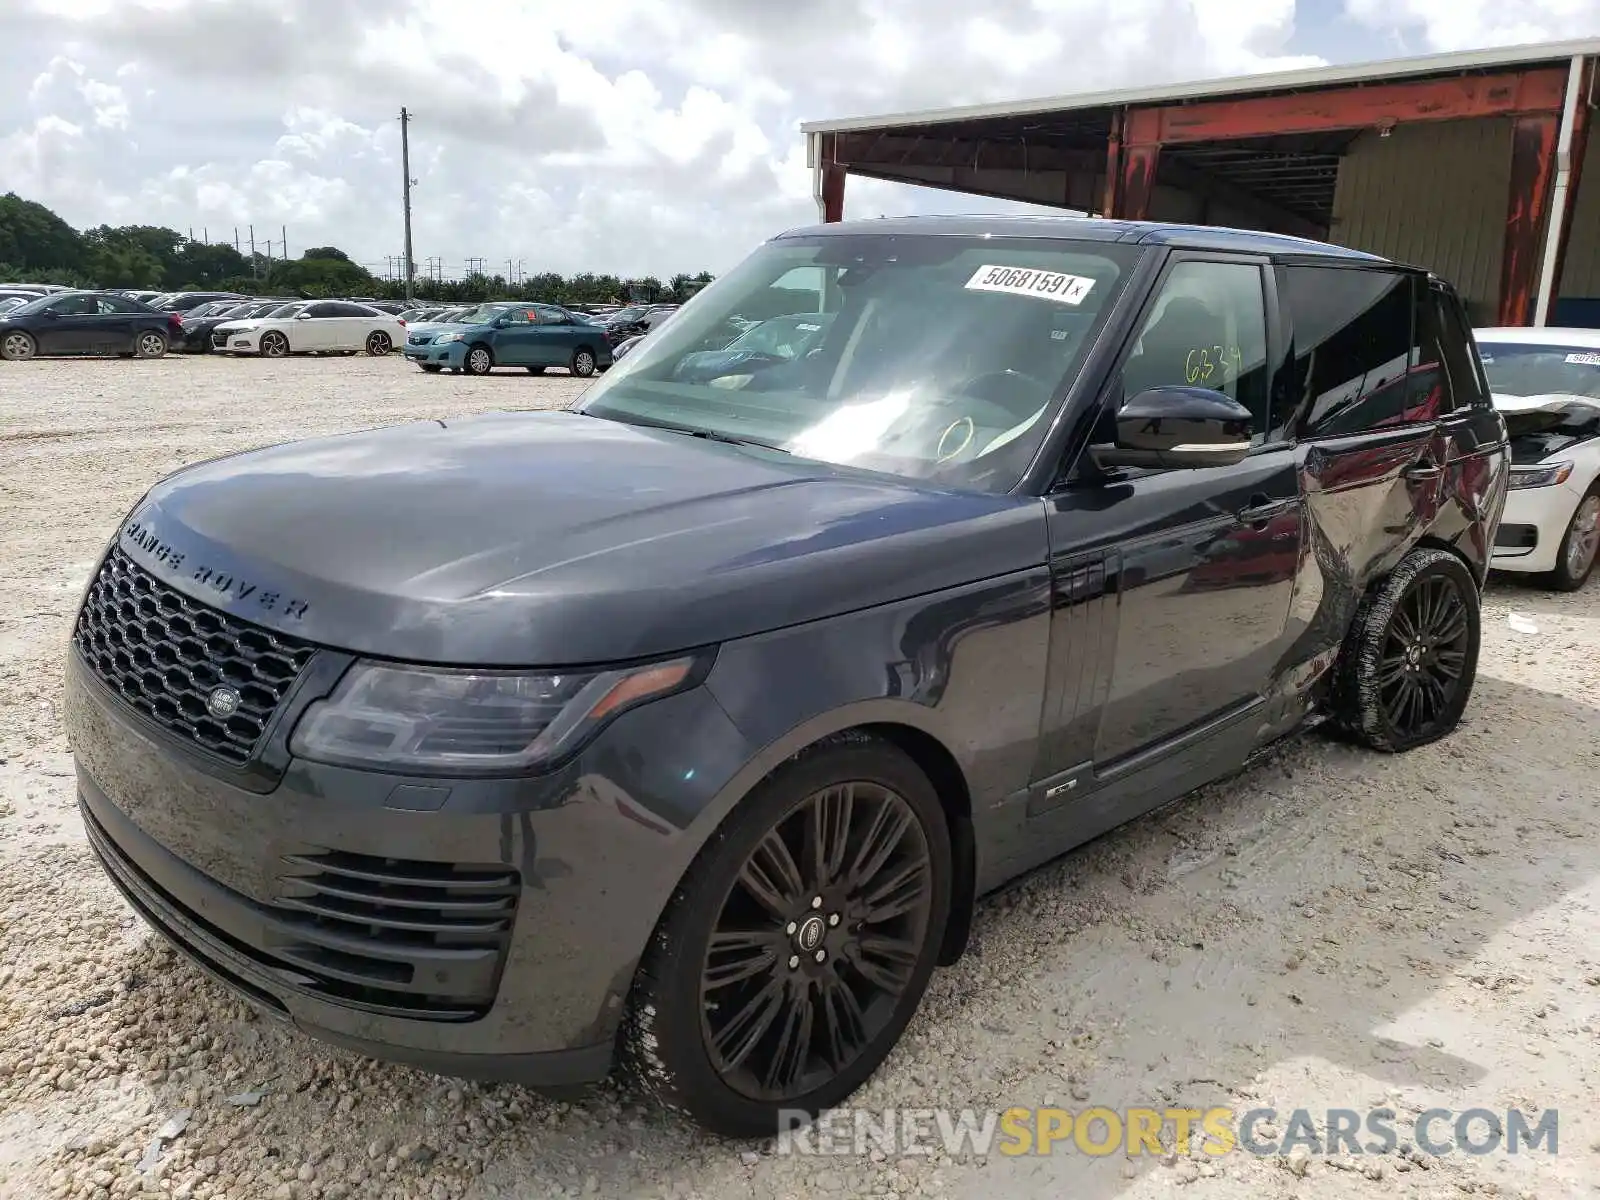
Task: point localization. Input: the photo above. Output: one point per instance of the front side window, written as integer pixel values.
(1207, 328)
(1352, 335)
(935, 358)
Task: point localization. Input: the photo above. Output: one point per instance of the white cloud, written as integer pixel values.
(644, 137)
(1468, 24)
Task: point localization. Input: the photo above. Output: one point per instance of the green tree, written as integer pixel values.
(33, 239)
(322, 275)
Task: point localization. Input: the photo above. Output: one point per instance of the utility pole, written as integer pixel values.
(284, 245)
(236, 239)
(255, 265)
(405, 167)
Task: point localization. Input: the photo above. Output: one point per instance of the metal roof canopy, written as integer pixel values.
(1265, 149)
(1386, 70)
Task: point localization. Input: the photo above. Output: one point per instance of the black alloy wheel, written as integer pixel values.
(806, 935)
(1408, 668)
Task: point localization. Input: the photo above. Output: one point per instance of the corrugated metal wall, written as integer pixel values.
(1580, 274)
(1434, 195)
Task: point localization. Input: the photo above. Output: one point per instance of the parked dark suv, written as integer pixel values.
(685, 727)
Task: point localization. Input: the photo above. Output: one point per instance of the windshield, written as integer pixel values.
(937, 358)
(1520, 369)
(478, 316)
(286, 311)
(623, 315)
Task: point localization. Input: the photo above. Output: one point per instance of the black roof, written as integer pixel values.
(1090, 229)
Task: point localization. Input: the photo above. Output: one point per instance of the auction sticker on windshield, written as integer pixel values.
(1024, 281)
(1588, 358)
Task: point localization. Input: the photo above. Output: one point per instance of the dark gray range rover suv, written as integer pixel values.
(685, 728)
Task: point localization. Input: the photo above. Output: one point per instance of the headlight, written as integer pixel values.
(1547, 475)
(451, 337)
(436, 719)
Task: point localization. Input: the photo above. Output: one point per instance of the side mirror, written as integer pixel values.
(1178, 427)
(302, 316)
(52, 313)
(500, 322)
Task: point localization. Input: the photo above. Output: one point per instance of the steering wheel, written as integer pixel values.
(956, 438)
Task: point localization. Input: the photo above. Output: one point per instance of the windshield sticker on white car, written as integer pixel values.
(1024, 281)
(1586, 358)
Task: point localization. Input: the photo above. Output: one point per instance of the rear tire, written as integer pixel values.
(583, 362)
(379, 343)
(821, 955)
(1575, 558)
(1410, 658)
(150, 344)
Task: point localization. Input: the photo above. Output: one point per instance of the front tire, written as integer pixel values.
(479, 360)
(583, 362)
(150, 345)
(1575, 559)
(1410, 659)
(18, 346)
(274, 345)
(799, 945)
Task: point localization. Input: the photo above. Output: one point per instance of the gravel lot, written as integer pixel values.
(1336, 929)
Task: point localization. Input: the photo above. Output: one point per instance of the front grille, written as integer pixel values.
(419, 339)
(420, 940)
(164, 653)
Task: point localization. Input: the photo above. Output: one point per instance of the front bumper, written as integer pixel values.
(450, 354)
(230, 342)
(560, 880)
(1532, 526)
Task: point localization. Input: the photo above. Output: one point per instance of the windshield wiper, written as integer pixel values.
(728, 439)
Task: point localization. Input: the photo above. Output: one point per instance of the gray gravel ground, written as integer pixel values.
(1334, 930)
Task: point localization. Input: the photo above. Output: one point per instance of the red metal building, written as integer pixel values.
(1470, 164)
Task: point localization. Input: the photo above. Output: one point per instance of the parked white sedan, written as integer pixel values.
(312, 327)
(1546, 383)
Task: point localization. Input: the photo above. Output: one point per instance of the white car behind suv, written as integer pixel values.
(312, 327)
(1546, 383)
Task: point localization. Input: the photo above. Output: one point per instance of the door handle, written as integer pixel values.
(1259, 511)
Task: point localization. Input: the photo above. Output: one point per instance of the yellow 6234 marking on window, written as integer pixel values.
(1204, 362)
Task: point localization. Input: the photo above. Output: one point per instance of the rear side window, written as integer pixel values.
(1430, 380)
(1458, 350)
(1352, 346)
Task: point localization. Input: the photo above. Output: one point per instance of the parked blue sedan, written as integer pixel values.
(531, 336)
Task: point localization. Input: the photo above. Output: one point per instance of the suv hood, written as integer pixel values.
(555, 539)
